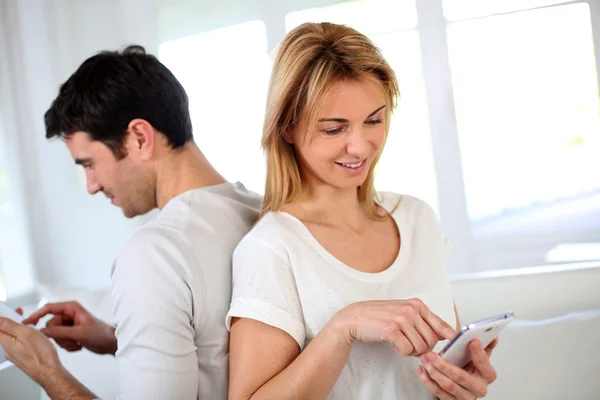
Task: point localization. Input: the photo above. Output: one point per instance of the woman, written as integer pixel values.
(340, 292)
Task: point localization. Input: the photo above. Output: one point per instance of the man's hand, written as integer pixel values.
(73, 327)
(33, 353)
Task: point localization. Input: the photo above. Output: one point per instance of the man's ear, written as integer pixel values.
(142, 138)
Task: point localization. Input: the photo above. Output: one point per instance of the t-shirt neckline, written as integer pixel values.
(396, 266)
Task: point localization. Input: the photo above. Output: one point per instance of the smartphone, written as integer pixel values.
(7, 312)
(457, 351)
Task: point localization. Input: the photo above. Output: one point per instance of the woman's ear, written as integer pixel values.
(288, 136)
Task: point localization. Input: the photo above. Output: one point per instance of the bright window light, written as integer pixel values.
(225, 73)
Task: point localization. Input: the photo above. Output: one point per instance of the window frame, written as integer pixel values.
(469, 253)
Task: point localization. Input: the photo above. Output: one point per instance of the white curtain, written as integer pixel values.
(17, 275)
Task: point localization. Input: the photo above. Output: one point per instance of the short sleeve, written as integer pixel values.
(264, 289)
(437, 233)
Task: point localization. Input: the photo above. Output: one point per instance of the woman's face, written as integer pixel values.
(349, 133)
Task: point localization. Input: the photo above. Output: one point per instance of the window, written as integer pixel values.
(456, 10)
(497, 125)
(226, 73)
(366, 16)
(516, 105)
(528, 118)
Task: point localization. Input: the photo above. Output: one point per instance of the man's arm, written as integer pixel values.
(152, 309)
(33, 353)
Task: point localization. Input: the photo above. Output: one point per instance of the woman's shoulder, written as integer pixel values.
(274, 230)
(271, 225)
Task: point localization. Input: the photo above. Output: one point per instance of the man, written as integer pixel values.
(125, 119)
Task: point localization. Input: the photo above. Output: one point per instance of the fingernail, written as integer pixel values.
(421, 372)
(424, 359)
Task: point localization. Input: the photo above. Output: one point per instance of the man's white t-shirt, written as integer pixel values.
(283, 277)
(171, 288)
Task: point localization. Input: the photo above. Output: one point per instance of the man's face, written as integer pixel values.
(125, 182)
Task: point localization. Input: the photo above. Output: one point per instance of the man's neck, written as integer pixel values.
(182, 170)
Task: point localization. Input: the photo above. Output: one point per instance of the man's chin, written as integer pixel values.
(134, 213)
(128, 214)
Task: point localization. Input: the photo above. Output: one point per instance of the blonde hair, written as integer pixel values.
(310, 59)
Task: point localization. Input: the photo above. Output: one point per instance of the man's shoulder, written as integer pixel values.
(152, 237)
(195, 223)
(221, 206)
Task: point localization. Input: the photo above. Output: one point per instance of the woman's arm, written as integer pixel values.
(266, 362)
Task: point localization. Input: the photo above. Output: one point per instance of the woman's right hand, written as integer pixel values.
(407, 324)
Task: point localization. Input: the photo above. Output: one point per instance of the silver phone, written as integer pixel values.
(457, 350)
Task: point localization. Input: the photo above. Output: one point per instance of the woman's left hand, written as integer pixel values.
(449, 382)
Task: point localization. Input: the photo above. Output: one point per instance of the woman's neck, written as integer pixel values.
(325, 204)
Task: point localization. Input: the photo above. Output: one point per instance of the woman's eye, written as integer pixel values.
(374, 122)
(334, 131)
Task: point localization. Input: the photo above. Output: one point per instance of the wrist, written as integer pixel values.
(341, 327)
(59, 384)
(52, 374)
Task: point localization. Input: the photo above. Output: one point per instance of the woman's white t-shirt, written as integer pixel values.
(283, 277)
